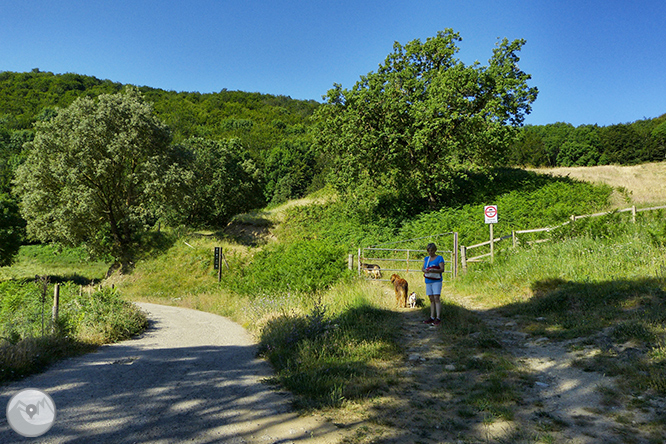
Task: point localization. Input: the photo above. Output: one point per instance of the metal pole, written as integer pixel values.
(492, 244)
(454, 269)
(219, 261)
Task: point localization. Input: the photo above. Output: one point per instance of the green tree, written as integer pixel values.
(581, 147)
(289, 169)
(620, 144)
(529, 149)
(423, 118)
(225, 181)
(97, 174)
(12, 229)
(659, 135)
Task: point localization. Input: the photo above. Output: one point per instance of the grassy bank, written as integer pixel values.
(30, 340)
(328, 342)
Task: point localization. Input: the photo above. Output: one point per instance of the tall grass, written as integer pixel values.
(30, 340)
(605, 249)
(334, 352)
(605, 287)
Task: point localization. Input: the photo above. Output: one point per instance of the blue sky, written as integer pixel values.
(600, 62)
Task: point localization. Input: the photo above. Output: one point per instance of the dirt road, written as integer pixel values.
(191, 377)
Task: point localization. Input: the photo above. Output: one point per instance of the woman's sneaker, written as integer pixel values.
(429, 321)
(436, 322)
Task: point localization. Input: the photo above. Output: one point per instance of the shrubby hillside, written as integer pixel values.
(272, 129)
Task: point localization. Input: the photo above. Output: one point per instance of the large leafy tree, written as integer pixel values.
(11, 230)
(224, 181)
(97, 174)
(424, 117)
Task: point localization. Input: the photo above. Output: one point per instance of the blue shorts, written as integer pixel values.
(434, 288)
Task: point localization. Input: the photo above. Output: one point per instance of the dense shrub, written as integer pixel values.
(546, 206)
(305, 266)
(100, 316)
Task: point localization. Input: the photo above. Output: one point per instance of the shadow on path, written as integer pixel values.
(192, 376)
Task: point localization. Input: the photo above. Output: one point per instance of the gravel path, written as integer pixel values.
(191, 377)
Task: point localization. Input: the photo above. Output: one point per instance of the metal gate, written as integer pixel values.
(379, 262)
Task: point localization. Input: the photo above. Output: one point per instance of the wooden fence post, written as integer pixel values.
(350, 261)
(633, 213)
(514, 240)
(463, 258)
(56, 303)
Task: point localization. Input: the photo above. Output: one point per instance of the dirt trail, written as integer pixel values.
(191, 377)
(557, 402)
(560, 404)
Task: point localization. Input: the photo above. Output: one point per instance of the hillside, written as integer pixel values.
(549, 345)
(258, 120)
(270, 132)
(641, 185)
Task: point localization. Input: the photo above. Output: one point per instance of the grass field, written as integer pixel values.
(642, 185)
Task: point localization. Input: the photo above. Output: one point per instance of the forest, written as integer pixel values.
(275, 130)
(562, 144)
(253, 149)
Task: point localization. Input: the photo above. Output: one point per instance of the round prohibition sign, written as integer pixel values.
(490, 212)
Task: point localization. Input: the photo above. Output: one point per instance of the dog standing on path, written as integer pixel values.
(412, 300)
(401, 290)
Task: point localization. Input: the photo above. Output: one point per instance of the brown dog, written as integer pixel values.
(401, 290)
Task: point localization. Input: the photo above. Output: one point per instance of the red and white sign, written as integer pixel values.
(490, 212)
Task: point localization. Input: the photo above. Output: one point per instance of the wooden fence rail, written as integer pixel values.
(514, 234)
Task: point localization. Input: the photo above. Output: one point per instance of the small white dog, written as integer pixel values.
(412, 300)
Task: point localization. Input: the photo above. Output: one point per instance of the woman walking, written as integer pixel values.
(433, 267)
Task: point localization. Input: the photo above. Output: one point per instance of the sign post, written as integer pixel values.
(490, 213)
(216, 258)
(216, 263)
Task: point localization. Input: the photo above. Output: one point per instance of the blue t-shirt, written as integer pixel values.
(428, 262)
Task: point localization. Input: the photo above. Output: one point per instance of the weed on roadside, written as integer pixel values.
(30, 341)
(326, 359)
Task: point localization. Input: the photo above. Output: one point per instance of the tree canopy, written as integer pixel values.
(11, 230)
(562, 144)
(224, 181)
(97, 173)
(423, 118)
